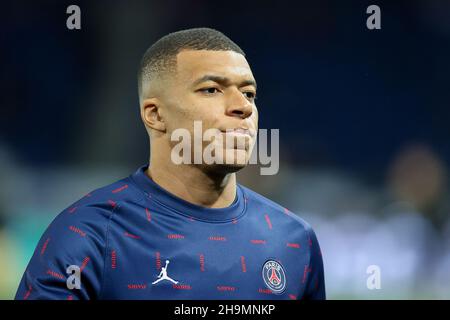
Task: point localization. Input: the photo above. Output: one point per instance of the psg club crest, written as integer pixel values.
(274, 276)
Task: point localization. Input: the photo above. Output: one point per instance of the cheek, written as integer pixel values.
(183, 109)
(193, 108)
(254, 117)
(185, 116)
(177, 117)
(208, 110)
(190, 107)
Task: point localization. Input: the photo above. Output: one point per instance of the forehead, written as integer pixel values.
(192, 64)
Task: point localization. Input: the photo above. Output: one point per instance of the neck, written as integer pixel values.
(192, 184)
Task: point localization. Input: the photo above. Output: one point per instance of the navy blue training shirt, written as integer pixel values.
(134, 240)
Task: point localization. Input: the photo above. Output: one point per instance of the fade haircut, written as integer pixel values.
(160, 58)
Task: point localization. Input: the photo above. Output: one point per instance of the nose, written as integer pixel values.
(238, 105)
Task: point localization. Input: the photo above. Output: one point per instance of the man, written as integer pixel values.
(223, 241)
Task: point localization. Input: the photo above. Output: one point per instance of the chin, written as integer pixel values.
(224, 168)
(233, 161)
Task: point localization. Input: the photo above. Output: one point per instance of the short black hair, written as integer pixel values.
(161, 56)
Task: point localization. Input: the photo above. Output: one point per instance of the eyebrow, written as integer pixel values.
(224, 80)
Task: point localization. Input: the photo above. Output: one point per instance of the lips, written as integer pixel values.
(243, 131)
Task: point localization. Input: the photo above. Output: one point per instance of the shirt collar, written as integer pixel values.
(173, 202)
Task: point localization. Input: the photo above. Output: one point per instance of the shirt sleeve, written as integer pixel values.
(72, 248)
(315, 289)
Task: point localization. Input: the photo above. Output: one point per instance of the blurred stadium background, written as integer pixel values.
(363, 118)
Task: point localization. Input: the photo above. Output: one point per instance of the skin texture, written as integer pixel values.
(178, 100)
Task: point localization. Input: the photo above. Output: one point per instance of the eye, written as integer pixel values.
(211, 90)
(250, 95)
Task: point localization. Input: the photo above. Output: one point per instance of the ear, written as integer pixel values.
(151, 114)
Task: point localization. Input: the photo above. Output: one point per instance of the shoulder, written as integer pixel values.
(110, 195)
(92, 212)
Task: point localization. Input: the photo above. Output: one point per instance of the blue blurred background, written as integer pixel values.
(363, 117)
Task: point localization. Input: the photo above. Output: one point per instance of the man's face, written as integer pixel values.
(218, 89)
